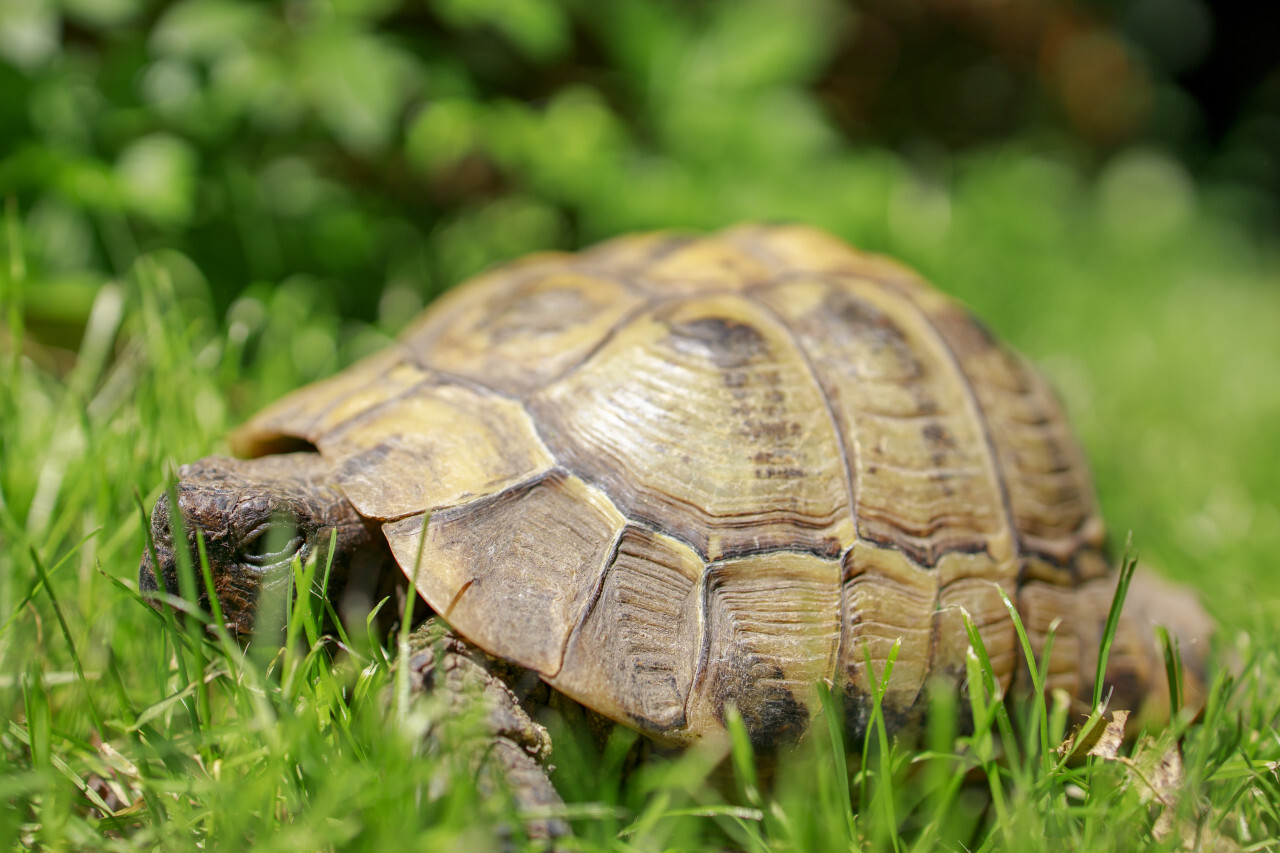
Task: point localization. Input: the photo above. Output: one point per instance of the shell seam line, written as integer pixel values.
(625, 320)
(980, 415)
(596, 592)
(839, 435)
(704, 643)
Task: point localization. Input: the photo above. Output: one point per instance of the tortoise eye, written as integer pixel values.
(272, 545)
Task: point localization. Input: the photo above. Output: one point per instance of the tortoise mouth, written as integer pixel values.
(152, 581)
(147, 576)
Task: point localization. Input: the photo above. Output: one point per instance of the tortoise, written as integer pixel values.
(671, 475)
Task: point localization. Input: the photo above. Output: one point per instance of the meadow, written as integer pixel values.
(200, 215)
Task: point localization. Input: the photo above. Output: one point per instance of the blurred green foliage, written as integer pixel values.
(383, 144)
(388, 148)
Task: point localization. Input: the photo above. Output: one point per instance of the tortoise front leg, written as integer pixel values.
(516, 748)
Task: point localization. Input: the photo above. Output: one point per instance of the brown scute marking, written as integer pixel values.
(1090, 564)
(857, 708)
(864, 324)
(533, 554)
(725, 342)
(431, 448)
(770, 713)
(938, 435)
(671, 418)
(923, 478)
(1034, 567)
(771, 631)
(633, 655)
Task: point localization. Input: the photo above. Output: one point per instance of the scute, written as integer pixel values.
(433, 446)
(632, 656)
(771, 632)
(514, 572)
(700, 265)
(1049, 492)
(887, 607)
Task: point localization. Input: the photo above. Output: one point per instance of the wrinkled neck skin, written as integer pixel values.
(255, 516)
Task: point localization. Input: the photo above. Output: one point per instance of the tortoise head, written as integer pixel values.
(255, 516)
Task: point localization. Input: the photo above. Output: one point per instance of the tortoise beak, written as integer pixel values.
(147, 575)
(150, 580)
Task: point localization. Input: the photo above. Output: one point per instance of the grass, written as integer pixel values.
(123, 729)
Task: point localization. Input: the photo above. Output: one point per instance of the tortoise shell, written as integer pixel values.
(671, 474)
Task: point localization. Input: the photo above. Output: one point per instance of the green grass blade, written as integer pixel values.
(402, 636)
(1172, 669)
(992, 687)
(834, 719)
(1128, 564)
(90, 704)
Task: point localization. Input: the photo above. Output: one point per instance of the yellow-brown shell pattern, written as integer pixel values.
(674, 475)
